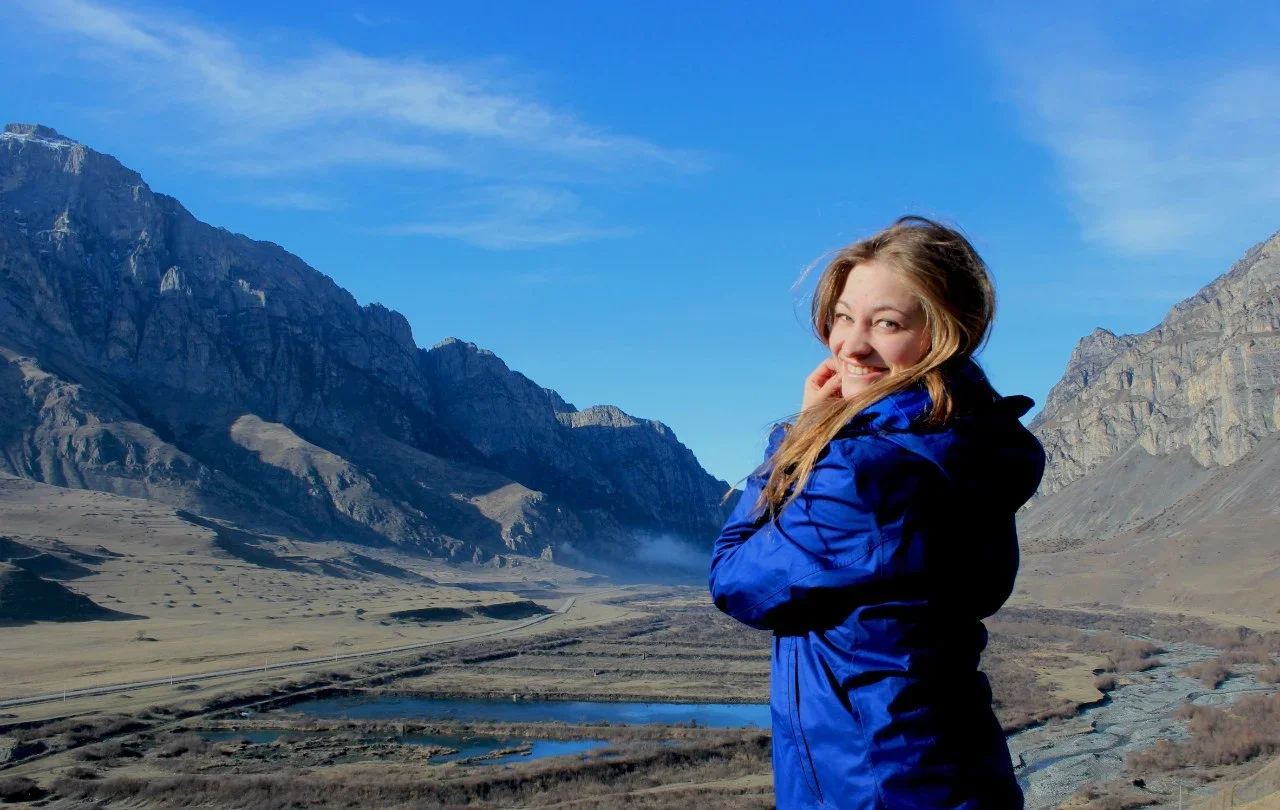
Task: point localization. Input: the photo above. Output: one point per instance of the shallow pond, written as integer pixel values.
(710, 715)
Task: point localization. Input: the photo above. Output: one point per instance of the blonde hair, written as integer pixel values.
(950, 280)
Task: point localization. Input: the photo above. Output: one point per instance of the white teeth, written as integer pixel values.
(859, 371)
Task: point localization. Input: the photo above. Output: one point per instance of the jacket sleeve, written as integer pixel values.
(856, 522)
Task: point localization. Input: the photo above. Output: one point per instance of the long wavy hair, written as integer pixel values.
(950, 280)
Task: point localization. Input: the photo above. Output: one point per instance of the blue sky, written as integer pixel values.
(617, 199)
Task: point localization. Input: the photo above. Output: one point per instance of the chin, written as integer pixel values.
(850, 387)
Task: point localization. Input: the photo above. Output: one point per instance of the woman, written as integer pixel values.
(879, 532)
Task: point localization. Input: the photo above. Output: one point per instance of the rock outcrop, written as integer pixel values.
(145, 353)
(1163, 479)
(1139, 421)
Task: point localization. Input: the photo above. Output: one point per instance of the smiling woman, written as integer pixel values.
(879, 533)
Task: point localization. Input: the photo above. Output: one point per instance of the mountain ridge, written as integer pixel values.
(150, 354)
(1163, 452)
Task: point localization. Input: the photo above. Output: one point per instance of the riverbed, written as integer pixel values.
(1054, 761)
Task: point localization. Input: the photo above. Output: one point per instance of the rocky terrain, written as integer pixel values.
(147, 354)
(1163, 481)
(1150, 418)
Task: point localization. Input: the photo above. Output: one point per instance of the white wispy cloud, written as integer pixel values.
(507, 217)
(299, 201)
(370, 20)
(1156, 156)
(266, 109)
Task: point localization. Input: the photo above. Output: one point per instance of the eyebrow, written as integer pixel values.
(878, 308)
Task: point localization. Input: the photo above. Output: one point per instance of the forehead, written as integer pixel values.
(875, 284)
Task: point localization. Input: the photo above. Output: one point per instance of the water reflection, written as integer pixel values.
(387, 707)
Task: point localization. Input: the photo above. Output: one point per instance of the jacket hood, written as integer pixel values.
(982, 446)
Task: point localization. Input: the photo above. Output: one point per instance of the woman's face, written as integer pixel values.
(877, 329)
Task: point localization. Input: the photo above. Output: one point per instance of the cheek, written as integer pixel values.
(909, 350)
(833, 341)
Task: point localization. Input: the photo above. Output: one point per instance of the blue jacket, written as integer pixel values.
(874, 582)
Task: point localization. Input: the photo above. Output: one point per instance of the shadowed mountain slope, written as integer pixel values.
(145, 353)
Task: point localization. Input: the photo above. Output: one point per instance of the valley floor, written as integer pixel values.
(532, 631)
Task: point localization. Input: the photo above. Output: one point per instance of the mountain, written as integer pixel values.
(1163, 476)
(145, 353)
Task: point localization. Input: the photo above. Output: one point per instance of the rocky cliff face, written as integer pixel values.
(1139, 421)
(146, 353)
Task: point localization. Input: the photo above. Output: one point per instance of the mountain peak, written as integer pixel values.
(1193, 394)
(37, 133)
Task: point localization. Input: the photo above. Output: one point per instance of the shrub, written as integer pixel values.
(81, 772)
(1124, 654)
(1247, 730)
(1245, 655)
(1111, 796)
(184, 744)
(1211, 674)
(19, 789)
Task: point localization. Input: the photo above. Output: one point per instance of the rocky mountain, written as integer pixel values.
(1157, 414)
(1163, 477)
(145, 353)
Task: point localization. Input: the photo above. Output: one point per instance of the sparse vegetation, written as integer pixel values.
(1211, 674)
(616, 782)
(19, 789)
(1237, 734)
(1116, 795)
(1123, 654)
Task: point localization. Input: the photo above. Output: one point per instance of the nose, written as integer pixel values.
(854, 343)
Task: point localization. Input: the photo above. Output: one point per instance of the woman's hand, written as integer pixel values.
(821, 385)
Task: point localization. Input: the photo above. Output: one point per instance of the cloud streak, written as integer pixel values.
(510, 217)
(263, 111)
(1157, 157)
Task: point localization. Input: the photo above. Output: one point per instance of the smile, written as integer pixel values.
(855, 370)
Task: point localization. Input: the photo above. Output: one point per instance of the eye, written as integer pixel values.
(885, 323)
(842, 317)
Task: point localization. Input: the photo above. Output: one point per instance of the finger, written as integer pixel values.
(824, 372)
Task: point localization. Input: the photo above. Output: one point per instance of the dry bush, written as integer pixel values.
(1123, 654)
(19, 789)
(1211, 674)
(601, 783)
(1231, 736)
(1020, 697)
(1245, 655)
(183, 744)
(1228, 639)
(1039, 631)
(1270, 675)
(111, 749)
(1116, 795)
(80, 730)
(81, 772)
(1105, 683)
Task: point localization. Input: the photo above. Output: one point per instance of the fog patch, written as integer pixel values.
(670, 551)
(653, 558)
